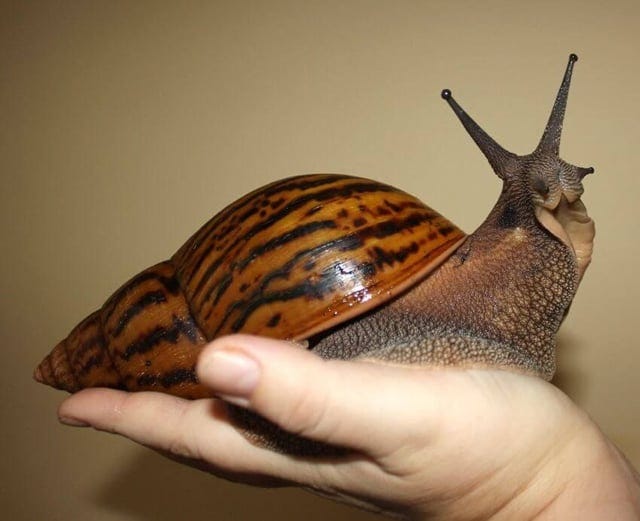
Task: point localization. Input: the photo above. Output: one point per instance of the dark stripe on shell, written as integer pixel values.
(326, 284)
(281, 240)
(352, 241)
(177, 376)
(93, 361)
(341, 191)
(446, 230)
(391, 257)
(393, 226)
(255, 299)
(274, 320)
(171, 284)
(148, 299)
(276, 242)
(87, 345)
(161, 334)
(208, 233)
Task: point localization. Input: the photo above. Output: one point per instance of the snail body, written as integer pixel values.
(357, 269)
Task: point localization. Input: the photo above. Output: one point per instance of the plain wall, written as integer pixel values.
(125, 125)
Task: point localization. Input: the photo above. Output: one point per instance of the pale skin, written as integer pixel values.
(426, 443)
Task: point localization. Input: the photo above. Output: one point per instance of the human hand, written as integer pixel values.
(426, 443)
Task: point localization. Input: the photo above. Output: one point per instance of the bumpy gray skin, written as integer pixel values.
(498, 300)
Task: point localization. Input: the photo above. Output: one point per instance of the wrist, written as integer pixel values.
(576, 474)
(588, 479)
(602, 484)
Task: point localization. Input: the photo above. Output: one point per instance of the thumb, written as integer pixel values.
(363, 406)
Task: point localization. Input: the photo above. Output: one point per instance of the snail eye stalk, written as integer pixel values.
(499, 158)
(550, 141)
(502, 161)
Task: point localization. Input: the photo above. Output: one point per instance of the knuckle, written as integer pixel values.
(122, 411)
(182, 443)
(307, 414)
(180, 446)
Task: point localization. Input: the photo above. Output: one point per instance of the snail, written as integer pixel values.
(354, 268)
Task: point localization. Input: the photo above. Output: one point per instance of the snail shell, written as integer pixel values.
(334, 246)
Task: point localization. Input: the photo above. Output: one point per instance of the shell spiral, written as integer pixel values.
(289, 260)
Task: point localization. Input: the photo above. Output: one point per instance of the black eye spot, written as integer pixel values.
(540, 186)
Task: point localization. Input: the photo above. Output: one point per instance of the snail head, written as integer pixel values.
(547, 177)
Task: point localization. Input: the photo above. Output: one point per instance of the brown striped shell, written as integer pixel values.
(288, 260)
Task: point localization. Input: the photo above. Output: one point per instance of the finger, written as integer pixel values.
(356, 405)
(111, 411)
(195, 431)
(152, 419)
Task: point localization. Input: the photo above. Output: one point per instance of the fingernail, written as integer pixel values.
(232, 374)
(72, 422)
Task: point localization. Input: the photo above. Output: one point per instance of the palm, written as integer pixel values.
(457, 444)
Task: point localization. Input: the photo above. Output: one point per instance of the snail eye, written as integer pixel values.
(541, 187)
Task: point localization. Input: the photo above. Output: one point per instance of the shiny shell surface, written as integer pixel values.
(303, 254)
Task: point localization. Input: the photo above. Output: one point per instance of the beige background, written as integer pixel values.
(125, 125)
